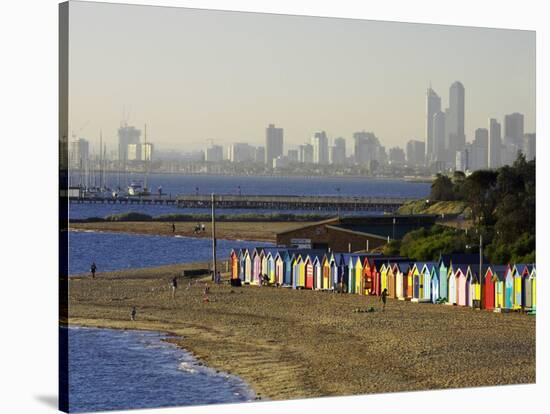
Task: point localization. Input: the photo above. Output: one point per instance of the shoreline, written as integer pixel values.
(289, 344)
(241, 230)
(190, 358)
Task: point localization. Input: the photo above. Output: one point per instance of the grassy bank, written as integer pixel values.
(438, 207)
(260, 231)
(293, 344)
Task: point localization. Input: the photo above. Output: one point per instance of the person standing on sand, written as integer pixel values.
(174, 285)
(219, 278)
(383, 298)
(173, 228)
(93, 269)
(133, 314)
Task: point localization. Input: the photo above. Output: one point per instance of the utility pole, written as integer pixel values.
(214, 268)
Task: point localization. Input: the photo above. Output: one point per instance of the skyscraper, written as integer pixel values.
(214, 153)
(479, 149)
(439, 135)
(433, 106)
(529, 146)
(366, 147)
(273, 143)
(338, 152)
(127, 135)
(495, 144)
(305, 153)
(513, 137)
(79, 151)
(454, 126)
(415, 153)
(513, 129)
(320, 148)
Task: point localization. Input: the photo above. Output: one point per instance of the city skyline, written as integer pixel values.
(229, 90)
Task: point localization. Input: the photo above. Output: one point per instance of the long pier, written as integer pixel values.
(253, 202)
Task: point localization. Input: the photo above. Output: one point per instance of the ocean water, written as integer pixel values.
(118, 370)
(175, 184)
(118, 251)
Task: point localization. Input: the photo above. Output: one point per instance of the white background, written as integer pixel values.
(28, 201)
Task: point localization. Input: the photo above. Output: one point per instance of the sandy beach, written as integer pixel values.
(260, 231)
(293, 344)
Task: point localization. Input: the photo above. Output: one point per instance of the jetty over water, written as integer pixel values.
(282, 202)
(254, 202)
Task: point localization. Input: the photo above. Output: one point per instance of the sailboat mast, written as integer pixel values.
(100, 159)
(146, 163)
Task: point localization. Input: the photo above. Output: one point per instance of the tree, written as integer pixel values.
(442, 189)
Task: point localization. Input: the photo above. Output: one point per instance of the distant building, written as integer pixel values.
(133, 152)
(214, 153)
(127, 135)
(513, 129)
(439, 134)
(79, 152)
(337, 154)
(462, 159)
(305, 153)
(433, 106)
(529, 146)
(454, 120)
(280, 162)
(147, 152)
(240, 152)
(397, 156)
(479, 150)
(292, 155)
(273, 143)
(366, 147)
(495, 145)
(259, 155)
(320, 147)
(416, 152)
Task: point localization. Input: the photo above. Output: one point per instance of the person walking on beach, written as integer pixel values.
(133, 314)
(93, 269)
(383, 298)
(173, 228)
(174, 285)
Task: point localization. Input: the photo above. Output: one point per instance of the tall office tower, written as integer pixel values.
(513, 129)
(513, 137)
(305, 153)
(438, 137)
(397, 156)
(494, 148)
(366, 147)
(127, 135)
(416, 152)
(433, 106)
(214, 153)
(240, 152)
(259, 154)
(529, 146)
(320, 147)
(479, 150)
(79, 152)
(133, 152)
(454, 123)
(292, 155)
(273, 143)
(337, 153)
(462, 159)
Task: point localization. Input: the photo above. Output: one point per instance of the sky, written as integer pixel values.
(198, 77)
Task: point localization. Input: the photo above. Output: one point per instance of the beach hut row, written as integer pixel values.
(453, 279)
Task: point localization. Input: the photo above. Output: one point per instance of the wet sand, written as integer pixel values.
(260, 231)
(293, 344)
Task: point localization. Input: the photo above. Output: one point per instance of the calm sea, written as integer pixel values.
(117, 251)
(118, 370)
(190, 184)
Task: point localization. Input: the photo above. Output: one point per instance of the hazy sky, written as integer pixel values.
(194, 75)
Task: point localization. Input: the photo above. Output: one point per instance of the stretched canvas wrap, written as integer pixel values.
(266, 207)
